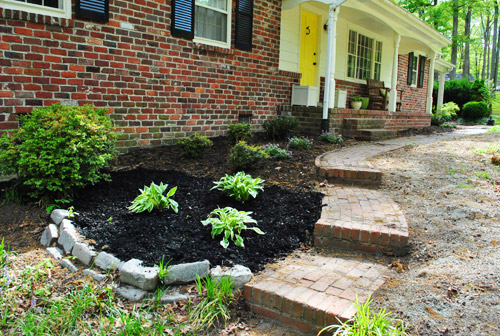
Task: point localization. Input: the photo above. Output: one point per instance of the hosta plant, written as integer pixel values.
(230, 222)
(240, 186)
(152, 198)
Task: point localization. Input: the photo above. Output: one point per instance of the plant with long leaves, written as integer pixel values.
(152, 198)
(240, 186)
(218, 296)
(230, 222)
(367, 322)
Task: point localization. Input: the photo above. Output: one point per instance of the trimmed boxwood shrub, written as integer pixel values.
(280, 128)
(195, 145)
(475, 110)
(243, 155)
(59, 148)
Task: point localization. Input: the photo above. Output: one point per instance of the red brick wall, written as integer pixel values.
(156, 87)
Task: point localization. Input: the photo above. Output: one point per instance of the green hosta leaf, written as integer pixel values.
(152, 197)
(257, 230)
(224, 242)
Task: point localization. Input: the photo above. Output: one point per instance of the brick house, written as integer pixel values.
(166, 69)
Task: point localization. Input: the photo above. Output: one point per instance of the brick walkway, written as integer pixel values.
(308, 291)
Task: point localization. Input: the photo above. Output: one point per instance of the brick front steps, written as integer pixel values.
(350, 175)
(361, 219)
(308, 292)
(366, 129)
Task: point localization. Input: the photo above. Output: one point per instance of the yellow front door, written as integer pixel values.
(308, 48)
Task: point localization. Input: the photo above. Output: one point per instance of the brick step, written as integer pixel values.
(369, 134)
(350, 175)
(363, 123)
(312, 291)
(362, 219)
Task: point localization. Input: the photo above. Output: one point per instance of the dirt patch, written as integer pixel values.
(287, 218)
(452, 285)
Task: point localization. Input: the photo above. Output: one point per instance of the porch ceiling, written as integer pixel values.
(387, 14)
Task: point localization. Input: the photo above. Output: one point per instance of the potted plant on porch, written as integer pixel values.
(356, 102)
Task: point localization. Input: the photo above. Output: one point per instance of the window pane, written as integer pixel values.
(45, 3)
(210, 24)
(220, 4)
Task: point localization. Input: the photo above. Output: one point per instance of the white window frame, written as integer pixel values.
(414, 70)
(216, 43)
(64, 12)
(373, 61)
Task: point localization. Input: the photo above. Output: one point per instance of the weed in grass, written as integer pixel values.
(483, 175)
(163, 268)
(465, 186)
(495, 129)
(218, 296)
(492, 149)
(452, 171)
(367, 322)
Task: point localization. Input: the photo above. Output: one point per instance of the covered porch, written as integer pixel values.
(336, 45)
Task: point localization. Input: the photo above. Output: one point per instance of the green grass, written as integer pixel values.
(368, 323)
(32, 302)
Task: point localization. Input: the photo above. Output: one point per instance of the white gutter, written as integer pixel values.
(330, 53)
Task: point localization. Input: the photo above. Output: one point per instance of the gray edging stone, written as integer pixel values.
(186, 273)
(49, 235)
(83, 252)
(131, 293)
(133, 273)
(95, 275)
(239, 274)
(107, 261)
(69, 265)
(55, 252)
(68, 235)
(58, 215)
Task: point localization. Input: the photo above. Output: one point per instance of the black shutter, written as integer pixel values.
(421, 71)
(410, 68)
(95, 10)
(182, 18)
(244, 24)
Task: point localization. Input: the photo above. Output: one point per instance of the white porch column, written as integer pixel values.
(439, 103)
(430, 83)
(393, 95)
(329, 94)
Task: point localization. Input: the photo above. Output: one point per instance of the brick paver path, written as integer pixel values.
(307, 290)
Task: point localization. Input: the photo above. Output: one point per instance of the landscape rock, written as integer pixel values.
(95, 275)
(49, 235)
(239, 274)
(83, 252)
(133, 273)
(55, 252)
(173, 297)
(67, 235)
(106, 261)
(69, 265)
(131, 293)
(58, 215)
(186, 273)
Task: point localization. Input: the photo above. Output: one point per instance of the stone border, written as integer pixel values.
(62, 237)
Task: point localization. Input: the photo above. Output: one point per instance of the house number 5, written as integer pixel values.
(308, 30)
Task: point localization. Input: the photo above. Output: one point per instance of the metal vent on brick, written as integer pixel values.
(95, 10)
(244, 24)
(183, 18)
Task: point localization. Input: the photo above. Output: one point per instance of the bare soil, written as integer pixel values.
(452, 286)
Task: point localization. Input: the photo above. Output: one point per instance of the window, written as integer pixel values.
(363, 61)
(416, 70)
(212, 18)
(56, 8)
(209, 22)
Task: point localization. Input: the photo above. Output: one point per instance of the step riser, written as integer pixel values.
(349, 176)
(357, 123)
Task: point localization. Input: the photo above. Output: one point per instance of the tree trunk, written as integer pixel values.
(494, 47)
(468, 19)
(486, 38)
(454, 37)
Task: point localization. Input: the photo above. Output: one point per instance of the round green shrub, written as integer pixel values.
(59, 148)
(195, 144)
(280, 128)
(239, 131)
(243, 155)
(475, 110)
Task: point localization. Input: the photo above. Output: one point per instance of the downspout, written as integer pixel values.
(430, 83)
(328, 98)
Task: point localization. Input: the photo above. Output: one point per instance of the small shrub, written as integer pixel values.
(243, 155)
(280, 128)
(230, 222)
(152, 198)
(331, 138)
(449, 110)
(494, 129)
(300, 143)
(275, 152)
(218, 296)
(448, 125)
(195, 144)
(239, 131)
(367, 322)
(240, 186)
(475, 110)
(59, 148)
